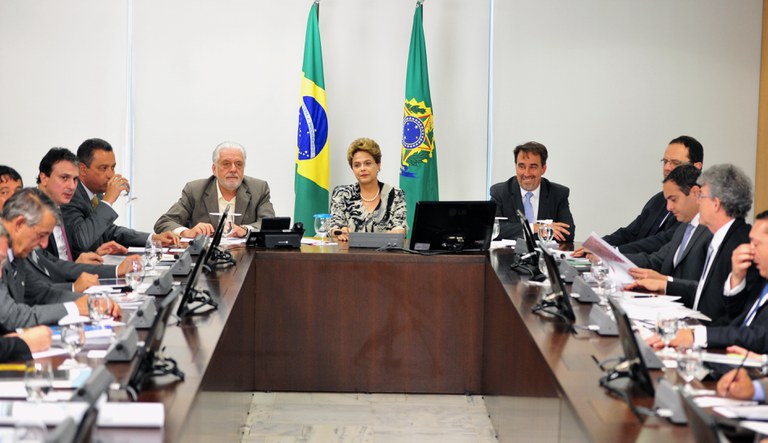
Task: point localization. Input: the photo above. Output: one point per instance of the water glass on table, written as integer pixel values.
(666, 327)
(99, 305)
(38, 380)
(73, 340)
(689, 364)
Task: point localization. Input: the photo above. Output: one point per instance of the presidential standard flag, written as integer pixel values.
(418, 160)
(311, 182)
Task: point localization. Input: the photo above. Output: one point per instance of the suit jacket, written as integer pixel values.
(199, 199)
(692, 261)
(713, 303)
(653, 242)
(646, 224)
(47, 267)
(15, 315)
(88, 227)
(14, 349)
(553, 204)
(25, 286)
(753, 337)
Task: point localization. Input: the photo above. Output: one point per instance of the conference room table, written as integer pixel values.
(334, 319)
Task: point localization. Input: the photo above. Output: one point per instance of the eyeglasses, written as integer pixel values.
(700, 196)
(674, 163)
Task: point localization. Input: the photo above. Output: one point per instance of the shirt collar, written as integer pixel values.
(88, 192)
(695, 221)
(719, 236)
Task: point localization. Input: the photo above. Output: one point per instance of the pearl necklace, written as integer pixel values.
(372, 198)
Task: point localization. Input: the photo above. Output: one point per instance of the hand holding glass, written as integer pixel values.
(98, 306)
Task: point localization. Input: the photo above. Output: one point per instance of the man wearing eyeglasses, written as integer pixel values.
(724, 200)
(655, 225)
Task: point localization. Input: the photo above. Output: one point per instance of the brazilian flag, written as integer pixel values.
(311, 182)
(418, 159)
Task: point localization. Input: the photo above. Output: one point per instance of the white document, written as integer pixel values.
(709, 401)
(131, 415)
(48, 413)
(747, 412)
(731, 359)
(618, 263)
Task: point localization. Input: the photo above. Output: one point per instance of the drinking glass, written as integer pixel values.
(321, 226)
(229, 224)
(600, 272)
(29, 430)
(153, 253)
(546, 232)
(497, 227)
(73, 340)
(666, 327)
(134, 276)
(38, 380)
(689, 363)
(98, 306)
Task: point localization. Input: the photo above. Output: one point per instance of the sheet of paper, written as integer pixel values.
(52, 352)
(503, 243)
(101, 288)
(618, 263)
(748, 412)
(760, 427)
(709, 401)
(731, 359)
(131, 415)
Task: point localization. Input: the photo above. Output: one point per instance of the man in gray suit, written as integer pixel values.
(195, 212)
(89, 218)
(28, 218)
(684, 255)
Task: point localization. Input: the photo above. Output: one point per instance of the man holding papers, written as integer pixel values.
(750, 329)
(200, 199)
(533, 195)
(683, 257)
(655, 225)
(724, 200)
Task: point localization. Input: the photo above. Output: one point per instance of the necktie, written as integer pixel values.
(752, 312)
(66, 242)
(703, 279)
(683, 244)
(528, 207)
(95, 201)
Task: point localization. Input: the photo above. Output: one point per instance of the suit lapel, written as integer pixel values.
(716, 259)
(241, 205)
(543, 212)
(34, 260)
(696, 237)
(14, 283)
(211, 201)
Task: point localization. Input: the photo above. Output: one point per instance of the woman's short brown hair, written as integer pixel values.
(366, 145)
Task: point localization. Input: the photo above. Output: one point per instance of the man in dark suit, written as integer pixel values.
(58, 178)
(654, 226)
(724, 200)
(89, 217)
(683, 256)
(10, 182)
(200, 200)
(533, 195)
(28, 218)
(750, 329)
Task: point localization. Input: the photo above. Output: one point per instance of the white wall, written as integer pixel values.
(604, 84)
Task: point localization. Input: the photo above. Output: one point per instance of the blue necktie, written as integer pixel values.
(684, 243)
(752, 312)
(528, 207)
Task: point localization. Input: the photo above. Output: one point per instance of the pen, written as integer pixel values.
(741, 365)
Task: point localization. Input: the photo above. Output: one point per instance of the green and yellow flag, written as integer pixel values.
(418, 160)
(311, 182)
